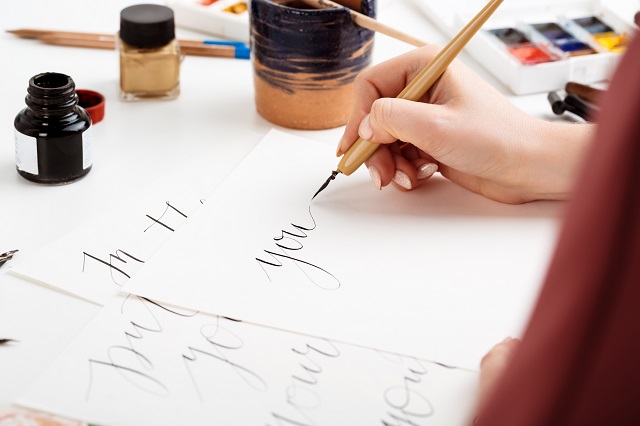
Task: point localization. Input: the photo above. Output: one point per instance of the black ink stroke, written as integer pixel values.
(157, 387)
(408, 406)
(212, 335)
(157, 221)
(283, 420)
(290, 241)
(111, 266)
(302, 386)
(138, 368)
(174, 311)
(316, 368)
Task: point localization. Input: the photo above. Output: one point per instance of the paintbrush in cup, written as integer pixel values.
(362, 20)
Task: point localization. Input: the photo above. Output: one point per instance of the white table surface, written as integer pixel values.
(135, 145)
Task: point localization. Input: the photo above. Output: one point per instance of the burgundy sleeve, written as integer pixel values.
(579, 361)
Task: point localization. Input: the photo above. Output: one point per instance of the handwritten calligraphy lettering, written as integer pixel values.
(131, 364)
(291, 241)
(138, 369)
(220, 338)
(315, 368)
(408, 406)
(120, 256)
(300, 395)
(159, 222)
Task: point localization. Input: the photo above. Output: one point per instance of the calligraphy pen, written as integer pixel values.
(362, 149)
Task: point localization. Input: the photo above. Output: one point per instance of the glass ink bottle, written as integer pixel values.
(149, 53)
(53, 133)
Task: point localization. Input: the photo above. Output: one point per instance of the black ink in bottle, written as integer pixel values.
(53, 133)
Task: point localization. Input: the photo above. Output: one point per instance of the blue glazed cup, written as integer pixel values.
(305, 61)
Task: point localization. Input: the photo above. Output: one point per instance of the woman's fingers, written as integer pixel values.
(493, 365)
(387, 79)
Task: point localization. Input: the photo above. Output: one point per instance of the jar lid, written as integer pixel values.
(147, 25)
(93, 103)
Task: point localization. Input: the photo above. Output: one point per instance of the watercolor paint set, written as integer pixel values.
(536, 46)
(228, 19)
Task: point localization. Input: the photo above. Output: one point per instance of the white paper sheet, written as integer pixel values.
(439, 272)
(100, 255)
(141, 363)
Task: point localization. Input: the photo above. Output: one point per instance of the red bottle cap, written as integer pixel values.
(93, 103)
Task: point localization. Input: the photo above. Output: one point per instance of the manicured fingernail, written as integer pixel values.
(338, 150)
(402, 179)
(427, 170)
(507, 339)
(365, 131)
(375, 177)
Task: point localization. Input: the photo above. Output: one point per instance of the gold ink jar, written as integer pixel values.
(149, 53)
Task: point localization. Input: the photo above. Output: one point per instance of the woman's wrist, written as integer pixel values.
(553, 157)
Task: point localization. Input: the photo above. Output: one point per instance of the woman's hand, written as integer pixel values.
(465, 129)
(492, 367)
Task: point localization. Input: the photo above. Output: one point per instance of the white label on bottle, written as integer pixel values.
(87, 148)
(26, 153)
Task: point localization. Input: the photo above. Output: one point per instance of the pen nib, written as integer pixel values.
(5, 257)
(324, 185)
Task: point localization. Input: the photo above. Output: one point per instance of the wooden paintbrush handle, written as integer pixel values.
(367, 22)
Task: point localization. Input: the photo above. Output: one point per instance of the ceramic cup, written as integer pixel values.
(305, 61)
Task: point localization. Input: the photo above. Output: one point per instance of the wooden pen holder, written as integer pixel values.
(305, 61)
